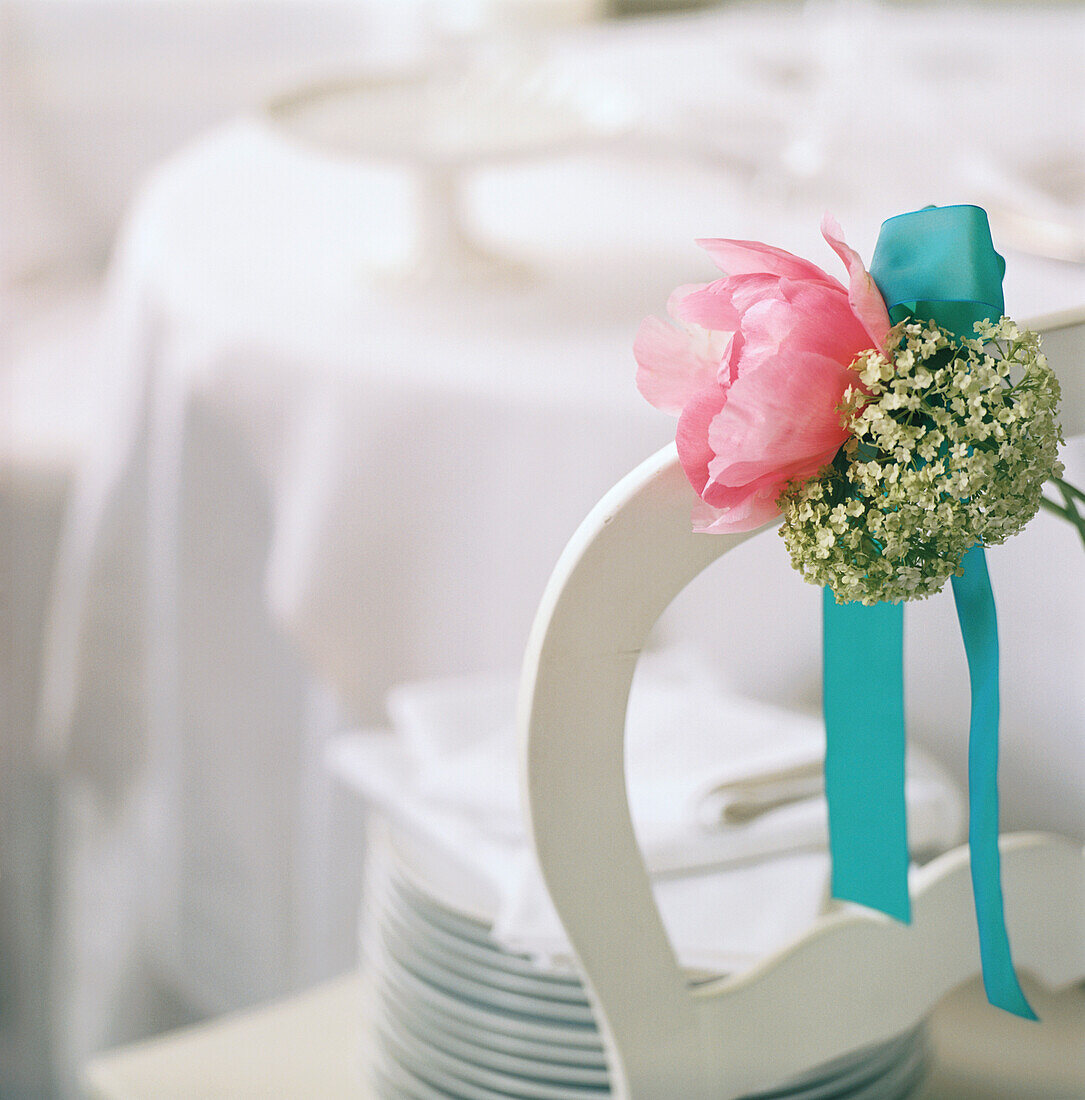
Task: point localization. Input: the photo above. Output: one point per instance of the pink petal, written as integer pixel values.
(746, 514)
(779, 422)
(694, 451)
(679, 295)
(753, 258)
(814, 319)
(720, 305)
(728, 368)
(669, 372)
(866, 300)
(675, 363)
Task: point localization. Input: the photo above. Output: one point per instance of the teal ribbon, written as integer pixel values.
(935, 264)
(939, 264)
(864, 758)
(979, 628)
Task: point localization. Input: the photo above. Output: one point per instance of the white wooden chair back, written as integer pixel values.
(856, 977)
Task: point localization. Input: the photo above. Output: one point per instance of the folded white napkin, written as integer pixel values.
(713, 778)
(720, 921)
(726, 796)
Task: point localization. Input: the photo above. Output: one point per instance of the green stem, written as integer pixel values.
(1068, 490)
(1070, 494)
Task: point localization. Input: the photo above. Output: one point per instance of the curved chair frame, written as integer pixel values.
(856, 977)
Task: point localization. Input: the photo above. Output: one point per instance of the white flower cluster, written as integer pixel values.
(952, 440)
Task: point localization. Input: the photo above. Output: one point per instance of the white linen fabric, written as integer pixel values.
(93, 94)
(729, 893)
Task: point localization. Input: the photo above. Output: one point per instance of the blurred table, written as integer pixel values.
(310, 1045)
(350, 483)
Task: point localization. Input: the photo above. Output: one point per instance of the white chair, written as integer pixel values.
(856, 978)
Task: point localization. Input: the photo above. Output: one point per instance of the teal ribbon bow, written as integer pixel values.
(934, 264)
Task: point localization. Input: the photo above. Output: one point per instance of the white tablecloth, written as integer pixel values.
(349, 485)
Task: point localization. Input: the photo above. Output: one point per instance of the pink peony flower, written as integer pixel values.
(755, 370)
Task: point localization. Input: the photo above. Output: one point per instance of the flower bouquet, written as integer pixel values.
(898, 424)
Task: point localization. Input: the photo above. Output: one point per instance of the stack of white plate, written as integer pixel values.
(456, 1015)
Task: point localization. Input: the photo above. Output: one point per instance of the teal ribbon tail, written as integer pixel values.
(935, 264)
(863, 697)
(979, 629)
